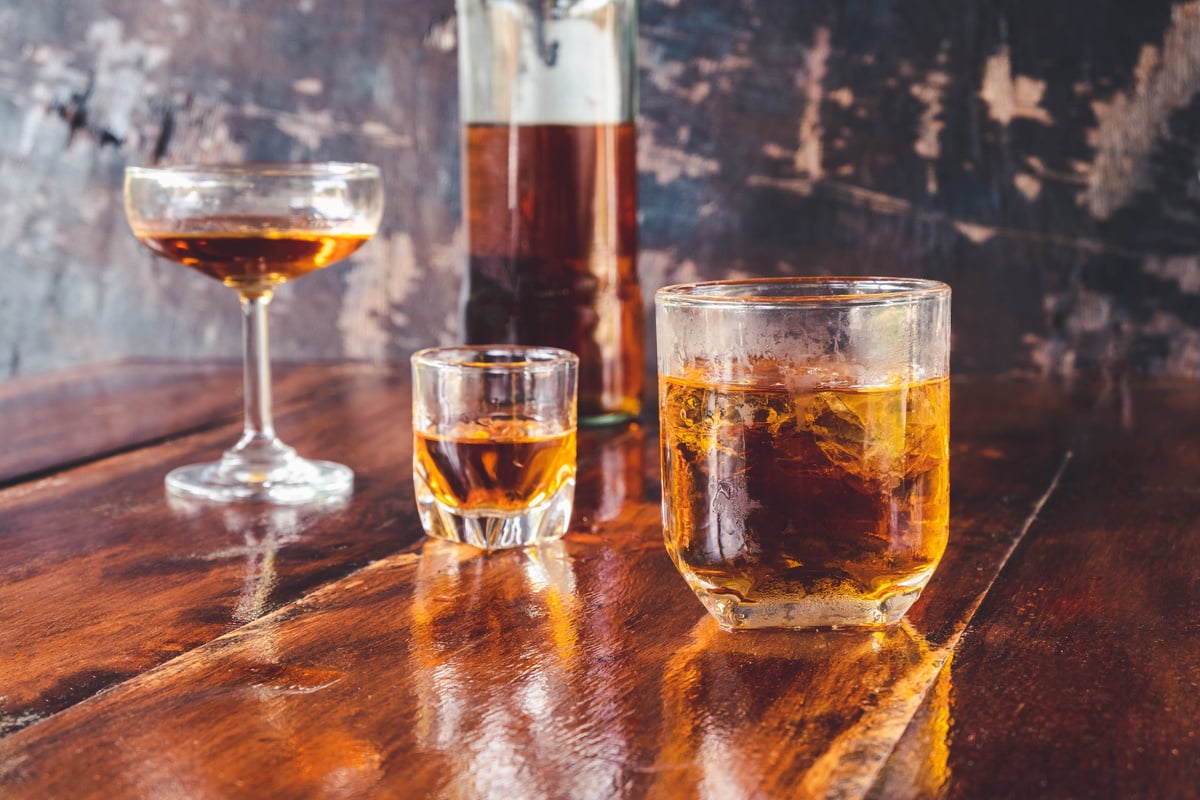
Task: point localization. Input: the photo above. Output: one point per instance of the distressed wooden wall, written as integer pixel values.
(1042, 157)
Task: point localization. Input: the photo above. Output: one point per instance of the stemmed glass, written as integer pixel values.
(252, 227)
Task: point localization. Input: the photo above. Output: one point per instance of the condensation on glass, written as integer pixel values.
(805, 445)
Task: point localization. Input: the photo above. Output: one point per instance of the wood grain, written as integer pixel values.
(1082, 664)
(99, 564)
(51, 422)
(380, 664)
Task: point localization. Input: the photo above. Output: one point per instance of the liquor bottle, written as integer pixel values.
(548, 98)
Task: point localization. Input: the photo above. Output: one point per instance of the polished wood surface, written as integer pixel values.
(150, 648)
(1083, 663)
(59, 420)
(100, 564)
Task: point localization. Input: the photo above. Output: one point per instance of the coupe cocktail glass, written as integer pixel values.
(253, 227)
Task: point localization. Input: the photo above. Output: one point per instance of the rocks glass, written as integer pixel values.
(805, 445)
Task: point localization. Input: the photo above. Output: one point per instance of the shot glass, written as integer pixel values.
(494, 448)
(805, 446)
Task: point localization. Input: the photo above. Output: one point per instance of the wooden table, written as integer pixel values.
(159, 649)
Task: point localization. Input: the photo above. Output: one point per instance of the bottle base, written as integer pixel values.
(602, 419)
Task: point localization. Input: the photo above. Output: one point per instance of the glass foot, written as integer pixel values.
(288, 480)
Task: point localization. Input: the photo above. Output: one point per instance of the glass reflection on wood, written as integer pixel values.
(493, 727)
(615, 466)
(835, 701)
(263, 530)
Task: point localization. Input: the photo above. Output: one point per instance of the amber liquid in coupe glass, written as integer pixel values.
(251, 253)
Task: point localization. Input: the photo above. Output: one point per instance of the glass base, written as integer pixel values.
(491, 529)
(284, 478)
(826, 611)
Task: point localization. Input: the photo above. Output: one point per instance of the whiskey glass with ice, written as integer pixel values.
(805, 445)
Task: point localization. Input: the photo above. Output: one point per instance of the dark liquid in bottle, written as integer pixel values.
(552, 227)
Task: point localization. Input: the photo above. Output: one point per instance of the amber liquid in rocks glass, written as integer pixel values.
(837, 493)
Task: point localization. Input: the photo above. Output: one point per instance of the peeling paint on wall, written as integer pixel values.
(373, 303)
(82, 98)
(1049, 179)
(692, 82)
(1011, 96)
(121, 69)
(1028, 185)
(1132, 121)
(668, 164)
(443, 35)
(811, 81)
(975, 232)
(928, 144)
(1183, 344)
(383, 311)
(308, 86)
(1184, 271)
(97, 101)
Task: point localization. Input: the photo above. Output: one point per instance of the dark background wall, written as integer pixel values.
(1042, 157)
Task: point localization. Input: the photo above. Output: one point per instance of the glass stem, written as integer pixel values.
(259, 427)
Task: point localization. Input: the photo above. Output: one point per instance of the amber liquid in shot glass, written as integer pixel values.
(502, 465)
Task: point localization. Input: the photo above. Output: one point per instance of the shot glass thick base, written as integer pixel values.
(814, 611)
(491, 529)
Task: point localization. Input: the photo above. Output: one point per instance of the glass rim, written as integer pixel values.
(835, 290)
(466, 358)
(263, 169)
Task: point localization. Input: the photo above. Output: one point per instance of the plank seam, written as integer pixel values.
(1034, 513)
(852, 766)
